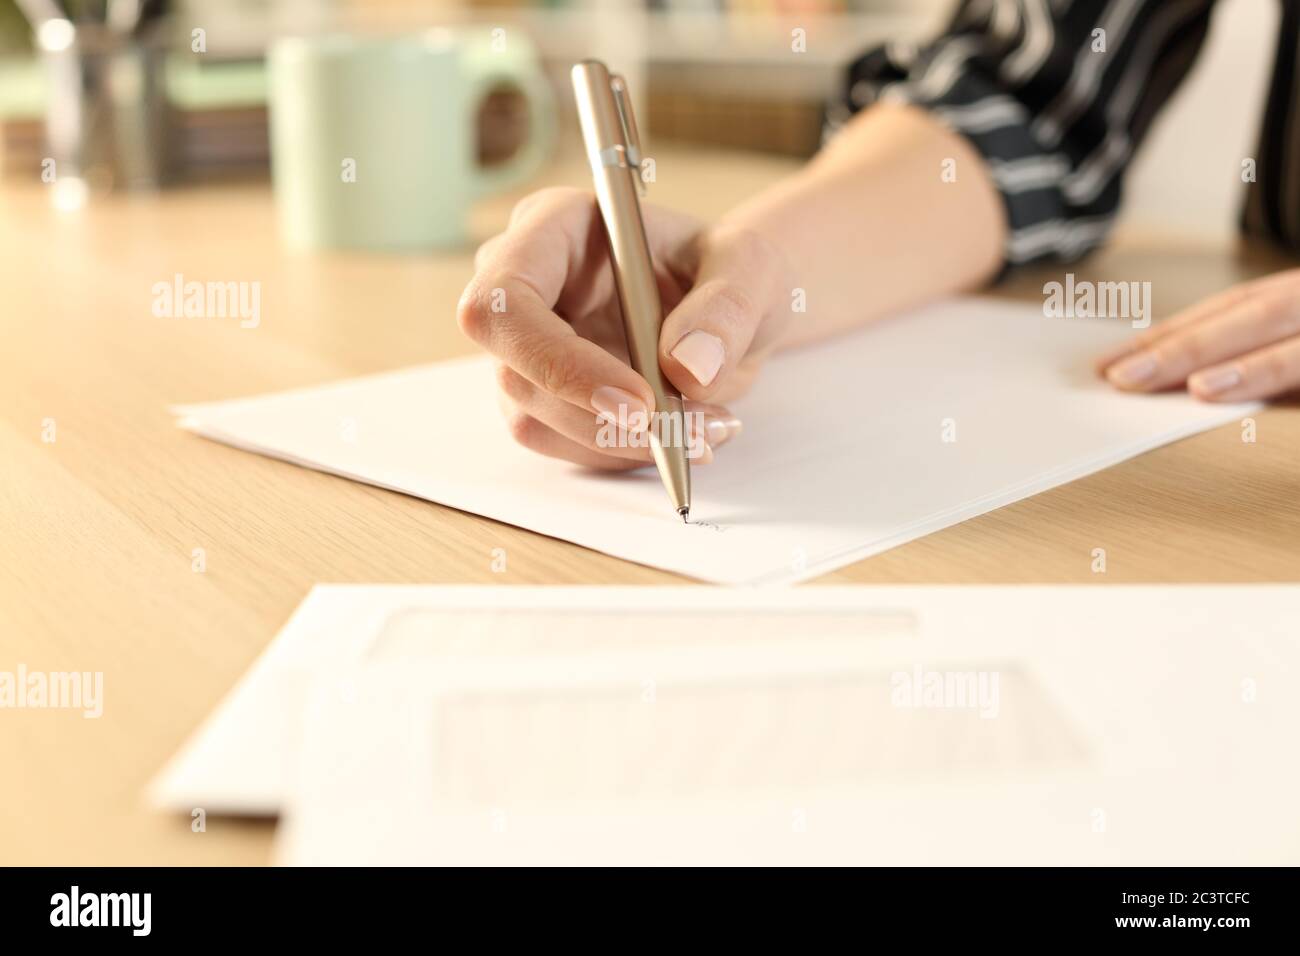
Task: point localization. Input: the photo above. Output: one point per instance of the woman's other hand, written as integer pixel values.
(1239, 345)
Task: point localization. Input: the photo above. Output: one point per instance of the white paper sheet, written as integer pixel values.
(843, 453)
(476, 724)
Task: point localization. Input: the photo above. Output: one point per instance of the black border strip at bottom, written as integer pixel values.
(965, 905)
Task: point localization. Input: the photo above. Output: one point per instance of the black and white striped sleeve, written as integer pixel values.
(1056, 95)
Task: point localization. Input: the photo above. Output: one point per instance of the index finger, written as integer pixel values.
(508, 309)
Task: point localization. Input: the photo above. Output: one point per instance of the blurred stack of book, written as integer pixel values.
(768, 124)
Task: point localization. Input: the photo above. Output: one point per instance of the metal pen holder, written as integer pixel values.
(107, 118)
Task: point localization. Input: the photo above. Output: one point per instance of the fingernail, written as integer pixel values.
(1132, 371)
(620, 407)
(1107, 359)
(719, 431)
(1215, 379)
(702, 355)
(698, 449)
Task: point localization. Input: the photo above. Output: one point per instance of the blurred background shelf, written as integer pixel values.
(708, 73)
(705, 72)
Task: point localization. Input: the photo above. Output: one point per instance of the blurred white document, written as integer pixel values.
(907, 725)
(850, 448)
(239, 761)
(1050, 726)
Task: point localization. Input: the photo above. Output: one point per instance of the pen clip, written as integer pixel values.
(632, 139)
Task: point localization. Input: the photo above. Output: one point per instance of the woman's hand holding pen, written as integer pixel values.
(859, 229)
(543, 302)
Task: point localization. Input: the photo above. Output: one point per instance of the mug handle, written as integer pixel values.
(484, 73)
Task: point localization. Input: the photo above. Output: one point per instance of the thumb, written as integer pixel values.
(704, 340)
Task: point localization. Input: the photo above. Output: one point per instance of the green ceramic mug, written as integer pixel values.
(373, 140)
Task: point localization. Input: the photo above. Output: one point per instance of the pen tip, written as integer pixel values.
(684, 512)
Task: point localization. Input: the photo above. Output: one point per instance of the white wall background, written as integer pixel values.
(1187, 177)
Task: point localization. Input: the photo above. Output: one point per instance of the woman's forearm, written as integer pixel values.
(896, 210)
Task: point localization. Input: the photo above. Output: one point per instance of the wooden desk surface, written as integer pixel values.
(98, 527)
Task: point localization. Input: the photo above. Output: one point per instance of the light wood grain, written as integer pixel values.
(97, 528)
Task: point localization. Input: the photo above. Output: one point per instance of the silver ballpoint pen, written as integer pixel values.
(614, 150)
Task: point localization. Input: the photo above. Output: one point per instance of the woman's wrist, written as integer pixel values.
(870, 226)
